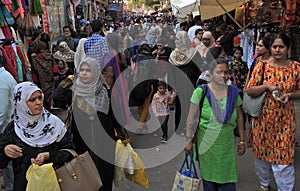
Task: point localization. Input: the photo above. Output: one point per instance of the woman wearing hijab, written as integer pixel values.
(65, 53)
(63, 72)
(208, 42)
(92, 127)
(35, 136)
(189, 62)
(151, 38)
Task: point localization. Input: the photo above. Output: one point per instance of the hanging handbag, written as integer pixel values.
(187, 179)
(79, 174)
(253, 105)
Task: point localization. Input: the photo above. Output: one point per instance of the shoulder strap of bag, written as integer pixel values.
(204, 90)
(70, 151)
(263, 72)
(204, 87)
(250, 73)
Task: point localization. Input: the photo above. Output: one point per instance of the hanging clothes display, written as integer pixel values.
(2, 34)
(3, 22)
(37, 8)
(30, 27)
(18, 9)
(9, 19)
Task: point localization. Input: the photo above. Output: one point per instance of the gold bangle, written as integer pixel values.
(242, 143)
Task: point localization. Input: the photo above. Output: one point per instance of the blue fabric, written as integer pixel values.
(223, 116)
(9, 19)
(212, 186)
(7, 84)
(96, 47)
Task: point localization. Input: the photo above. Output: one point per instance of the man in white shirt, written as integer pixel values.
(191, 31)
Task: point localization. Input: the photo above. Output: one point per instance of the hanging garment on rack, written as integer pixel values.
(1, 34)
(19, 63)
(17, 9)
(6, 2)
(7, 33)
(3, 22)
(37, 8)
(22, 46)
(11, 66)
(30, 27)
(25, 69)
(26, 72)
(9, 19)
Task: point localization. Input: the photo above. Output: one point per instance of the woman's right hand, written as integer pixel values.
(13, 151)
(189, 148)
(271, 87)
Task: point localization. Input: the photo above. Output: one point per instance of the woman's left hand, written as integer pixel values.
(40, 158)
(284, 98)
(241, 148)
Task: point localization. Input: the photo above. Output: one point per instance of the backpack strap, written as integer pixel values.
(204, 88)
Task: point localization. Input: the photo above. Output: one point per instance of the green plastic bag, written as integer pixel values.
(41, 178)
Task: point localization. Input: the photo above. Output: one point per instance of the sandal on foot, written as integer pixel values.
(263, 188)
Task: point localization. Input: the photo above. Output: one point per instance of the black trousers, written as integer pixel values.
(163, 120)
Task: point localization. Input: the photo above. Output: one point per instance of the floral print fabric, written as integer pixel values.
(274, 132)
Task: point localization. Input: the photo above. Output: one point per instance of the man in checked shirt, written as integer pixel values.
(96, 45)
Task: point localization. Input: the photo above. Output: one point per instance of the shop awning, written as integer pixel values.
(208, 8)
(211, 8)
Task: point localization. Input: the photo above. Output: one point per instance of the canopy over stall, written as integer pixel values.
(208, 8)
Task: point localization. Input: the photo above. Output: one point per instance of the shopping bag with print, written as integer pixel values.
(187, 179)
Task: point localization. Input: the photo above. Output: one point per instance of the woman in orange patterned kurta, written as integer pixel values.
(274, 132)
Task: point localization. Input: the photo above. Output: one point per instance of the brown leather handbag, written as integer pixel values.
(79, 174)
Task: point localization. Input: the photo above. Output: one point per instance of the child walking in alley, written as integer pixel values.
(161, 109)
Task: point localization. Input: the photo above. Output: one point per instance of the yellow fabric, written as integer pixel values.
(122, 154)
(41, 178)
(211, 8)
(139, 176)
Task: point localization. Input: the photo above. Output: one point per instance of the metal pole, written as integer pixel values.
(238, 24)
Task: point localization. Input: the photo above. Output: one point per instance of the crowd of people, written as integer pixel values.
(152, 64)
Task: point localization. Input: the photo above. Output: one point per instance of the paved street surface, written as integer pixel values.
(161, 177)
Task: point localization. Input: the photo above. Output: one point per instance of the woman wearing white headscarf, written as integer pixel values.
(66, 54)
(93, 127)
(190, 63)
(208, 42)
(34, 136)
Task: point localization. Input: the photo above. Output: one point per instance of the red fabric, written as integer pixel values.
(55, 69)
(11, 63)
(7, 33)
(236, 41)
(193, 44)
